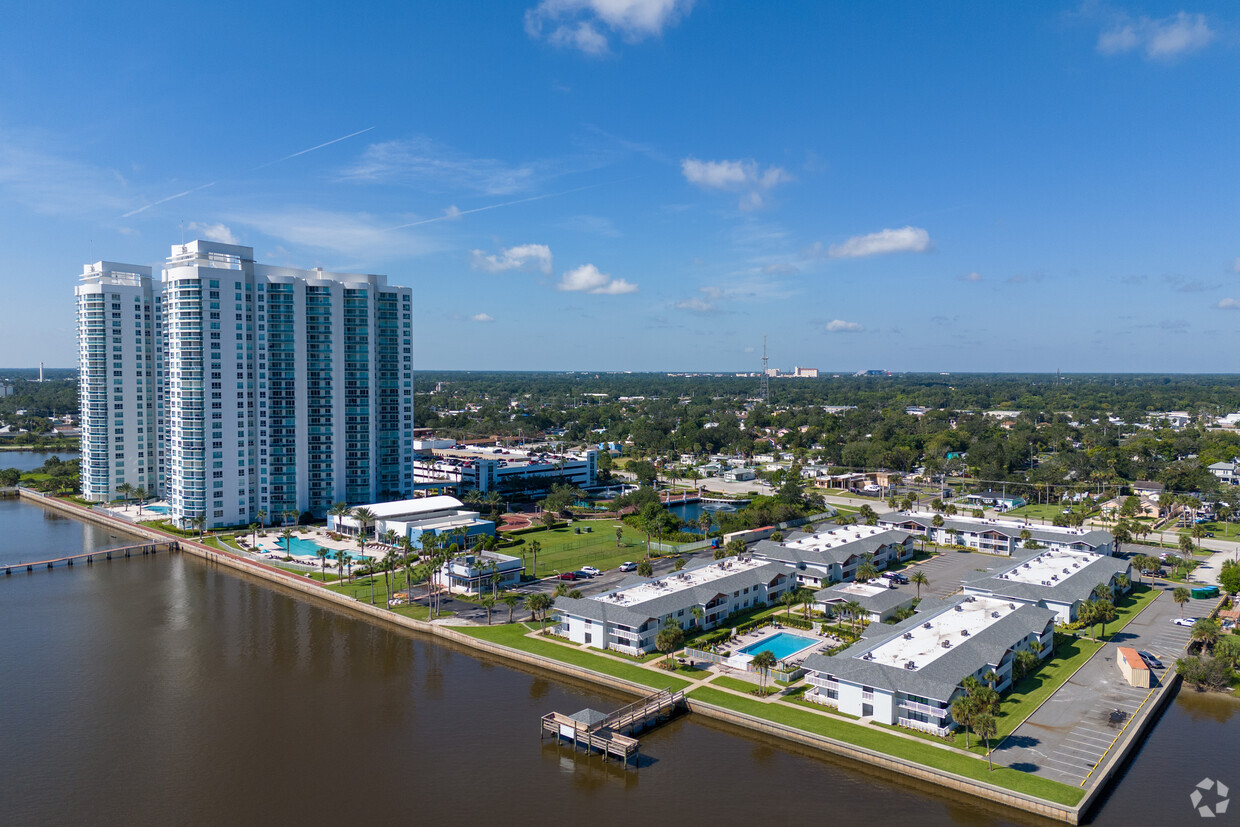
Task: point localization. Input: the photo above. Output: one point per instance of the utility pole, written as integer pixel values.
(764, 389)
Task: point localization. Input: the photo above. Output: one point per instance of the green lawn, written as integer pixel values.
(1132, 603)
(562, 550)
(1036, 513)
(738, 685)
(1221, 531)
(514, 635)
(875, 739)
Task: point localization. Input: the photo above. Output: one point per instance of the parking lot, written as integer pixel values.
(946, 570)
(1069, 734)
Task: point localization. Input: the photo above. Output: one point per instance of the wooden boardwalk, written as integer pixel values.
(605, 733)
(91, 556)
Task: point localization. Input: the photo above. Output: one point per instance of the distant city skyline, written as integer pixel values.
(653, 185)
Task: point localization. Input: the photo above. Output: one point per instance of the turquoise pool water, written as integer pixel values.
(782, 645)
(298, 546)
(157, 509)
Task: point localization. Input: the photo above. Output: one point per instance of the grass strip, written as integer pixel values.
(895, 746)
(514, 635)
(742, 686)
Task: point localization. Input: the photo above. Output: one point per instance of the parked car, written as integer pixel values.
(568, 575)
(1150, 661)
(590, 571)
(1183, 621)
(582, 574)
(895, 577)
(628, 566)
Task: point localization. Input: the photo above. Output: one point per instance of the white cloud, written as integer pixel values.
(588, 279)
(359, 235)
(576, 23)
(521, 257)
(432, 166)
(970, 276)
(54, 185)
(1161, 39)
(481, 317)
(1228, 304)
(841, 326)
(697, 304)
(732, 176)
(903, 240)
(213, 232)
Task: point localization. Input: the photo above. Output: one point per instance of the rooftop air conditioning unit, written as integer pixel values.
(1054, 576)
(959, 608)
(994, 614)
(1011, 605)
(926, 625)
(1065, 571)
(947, 644)
(910, 665)
(964, 632)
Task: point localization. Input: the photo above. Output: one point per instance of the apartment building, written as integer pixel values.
(282, 390)
(1004, 537)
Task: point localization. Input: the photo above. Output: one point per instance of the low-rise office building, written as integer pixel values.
(629, 618)
(474, 573)
(439, 516)
(908, 674)
(833, 556)
(1056, 579)
(1005, 537)
(507, 470)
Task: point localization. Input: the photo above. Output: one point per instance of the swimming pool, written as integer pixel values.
(782, 645)
(297, 547)
(157, 509)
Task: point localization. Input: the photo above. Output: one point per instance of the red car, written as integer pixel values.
(568, 575)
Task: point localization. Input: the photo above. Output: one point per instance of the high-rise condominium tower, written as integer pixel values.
(274, 389)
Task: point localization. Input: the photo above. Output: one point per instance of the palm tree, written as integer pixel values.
(856, 612)
(286, 534)
(322, 552)
(124, 489)
(390, 537)
(1088, 615)
(619, 534)
(788, 598)
(364, 517)
(290, 516)
(535, 547)
(991, 678)
(644, 569)
(342, 560)
(199, 522)
(699, 615)
(919, 579)
(1181, 596)
(962, 714)
(539, 604)
(511, 601)
(866, 570)
(488, 603)
(985, 725)
(1122, 582)
(262, 517)
(806, 598)
(1103, 591)
(254, 534)
(762, 663)
(1205, 633)
(139, 494)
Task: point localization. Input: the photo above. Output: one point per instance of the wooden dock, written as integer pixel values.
(604, 733)
(90, 557)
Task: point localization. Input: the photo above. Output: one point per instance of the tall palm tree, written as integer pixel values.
(985, 726)
(488, 603)
(1206, 633)
(962, 714)
(919, 579)
(322, 552)
(1181, 596)
(338, 510)
(365, 517)
(286, 534)
(262, 517)
(511, 601)
(139, 494)
(535, 547)
(124, 489)
(199, 522)
(699, 615)
(290, 516)
(254, 534)
(342, 560)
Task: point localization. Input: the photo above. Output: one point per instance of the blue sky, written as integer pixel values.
(654, 184)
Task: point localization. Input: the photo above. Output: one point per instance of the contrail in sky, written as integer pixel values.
(260, 166)
(458, 213)
(165, 200)
(313, 148)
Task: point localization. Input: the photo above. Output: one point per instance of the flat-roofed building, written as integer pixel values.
(473, 573)
(1005, 537)
(908, 674)
(833, 556)
(629, 617)
(1056, 579)
(439, 516)
(507, 470)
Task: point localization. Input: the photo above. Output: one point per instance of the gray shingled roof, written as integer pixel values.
(634, 615)
(770, 550)
(1092, 538)
(939, 678)
(1078, 585)
(884, 601)
(589, 717)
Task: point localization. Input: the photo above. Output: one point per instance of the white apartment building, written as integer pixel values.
(629, 617)
(282, 389)
(833, 556)
(908, 674)
(1005, 537)
(119, 365)
(507, 470)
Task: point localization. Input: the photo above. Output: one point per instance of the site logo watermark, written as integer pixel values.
(1200, 794)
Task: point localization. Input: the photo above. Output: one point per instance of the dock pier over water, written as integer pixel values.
(605, 733)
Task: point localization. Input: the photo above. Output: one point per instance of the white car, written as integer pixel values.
(628, 566)
(1183, 621)
(590, 570)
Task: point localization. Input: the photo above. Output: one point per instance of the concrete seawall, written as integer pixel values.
(302, 587)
